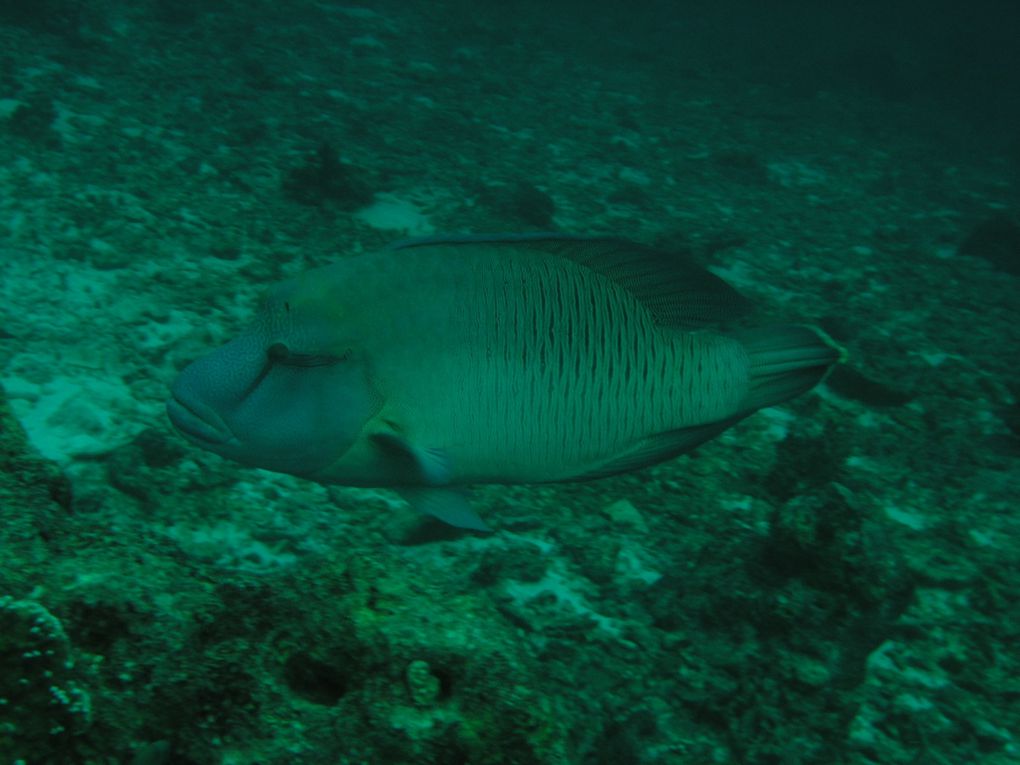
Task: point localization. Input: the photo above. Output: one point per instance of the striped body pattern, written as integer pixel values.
(526, 368)
(504, 359)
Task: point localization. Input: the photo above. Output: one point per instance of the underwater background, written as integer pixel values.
(835, 580)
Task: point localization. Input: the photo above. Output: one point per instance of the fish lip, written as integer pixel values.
(197, 422)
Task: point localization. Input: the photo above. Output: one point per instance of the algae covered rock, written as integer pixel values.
(42, 705)
(35, 497)
(450, 682)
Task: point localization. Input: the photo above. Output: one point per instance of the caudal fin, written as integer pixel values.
(786, 360)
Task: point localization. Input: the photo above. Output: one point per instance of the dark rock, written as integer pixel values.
(62, 17)
(805, 461)
(849, 383)
(323, 178)
(314, 680)
(1010, 416)
(35, 495)
(33, 121)
(532, 206)
(523, 203)
(742, 166)
(179, 12)
(632, 194)
(997, 240)
(45, 704)
(157, 448)
(225, 251)
(126, 472)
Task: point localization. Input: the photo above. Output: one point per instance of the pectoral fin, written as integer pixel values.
(417, 465)
(448, 505)
(430, 469)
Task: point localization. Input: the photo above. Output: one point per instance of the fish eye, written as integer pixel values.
(278, 352)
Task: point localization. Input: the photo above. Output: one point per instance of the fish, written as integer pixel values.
(435, 364)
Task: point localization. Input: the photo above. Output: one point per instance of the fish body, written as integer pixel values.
(439, 363)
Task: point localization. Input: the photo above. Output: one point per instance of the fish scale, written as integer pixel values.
(523, 378)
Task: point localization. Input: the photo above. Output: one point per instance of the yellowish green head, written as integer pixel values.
(290, 394)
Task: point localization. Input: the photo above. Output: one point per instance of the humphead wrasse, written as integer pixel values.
(518, 359)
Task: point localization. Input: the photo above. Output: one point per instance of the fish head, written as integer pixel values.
(290, 394)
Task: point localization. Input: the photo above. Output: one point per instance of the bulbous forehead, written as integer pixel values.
(314, 291)
(309, 306)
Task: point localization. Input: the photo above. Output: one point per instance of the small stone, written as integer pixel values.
(423, 686)
(623, 513)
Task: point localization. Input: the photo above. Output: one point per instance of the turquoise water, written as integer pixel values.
(831, 580)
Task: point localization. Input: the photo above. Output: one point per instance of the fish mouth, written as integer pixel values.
(197, 422)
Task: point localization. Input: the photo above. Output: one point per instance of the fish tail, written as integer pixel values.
(786, 360)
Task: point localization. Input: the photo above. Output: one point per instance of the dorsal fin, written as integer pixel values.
(677, 292)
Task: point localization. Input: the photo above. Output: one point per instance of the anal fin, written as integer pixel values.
(658, 448)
